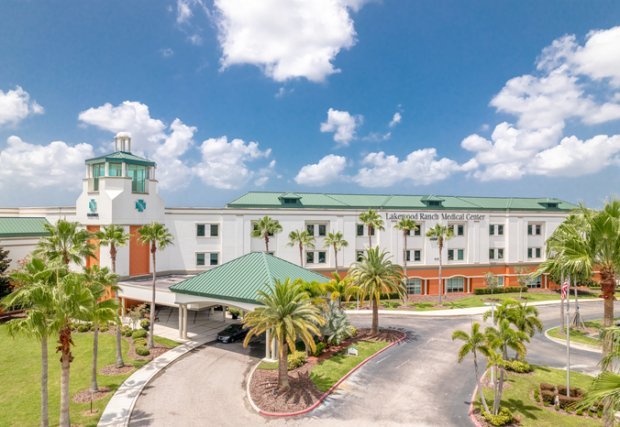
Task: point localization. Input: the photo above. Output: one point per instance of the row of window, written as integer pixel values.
(457, 284)
(213, 230)
(138, 174)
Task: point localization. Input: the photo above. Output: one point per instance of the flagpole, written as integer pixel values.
(568, 339)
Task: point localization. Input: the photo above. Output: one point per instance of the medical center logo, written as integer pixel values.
(140, 205)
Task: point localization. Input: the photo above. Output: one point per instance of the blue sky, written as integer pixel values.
(511, 98)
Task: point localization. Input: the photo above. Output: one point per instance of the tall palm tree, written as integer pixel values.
(34, 293)
(265, 227)
(288, 314)
(71, 300)
(102, 311)
(504, 337)
(158, 237)
(303, 239)
(341, 289)
(525, 318)
(376, 275)
(373, 221)
(474, 343)
(406, 225)
(497, 362)
(65, 242)
(336, 241)
(114, 236)
(442, 234)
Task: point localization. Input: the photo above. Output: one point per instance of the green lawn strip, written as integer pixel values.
(20, 361)
(575, 336)
(519, 398)
(328, 372)
(268, 366)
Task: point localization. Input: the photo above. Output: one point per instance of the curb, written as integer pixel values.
(117, 412)
(324, 395)
(577, 346)
(470, 413)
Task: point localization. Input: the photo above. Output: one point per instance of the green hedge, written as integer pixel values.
(505, 290)
(504, 417)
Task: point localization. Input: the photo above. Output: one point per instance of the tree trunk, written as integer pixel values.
(283, 384)
(151, 342)
(608, 288)
(94, 387)
(479, 385)
(375, 316)
(45, 421)
(301, 255)
(119, 349)
(266, 243)
(440, 292)
(336, 258)
(369, 237)
(500, 390)
(405, 267)
(65, 363)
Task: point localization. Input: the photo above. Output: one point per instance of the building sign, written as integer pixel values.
(92, 209)
(435, 216)
(140, 205)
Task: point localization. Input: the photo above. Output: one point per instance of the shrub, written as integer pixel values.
(547, 386)
(423, 304)
(519, 366)
(319, 349)
(505, 290)
(574, 391)
(126, 331)
(353, 331)
(142, 351)
(501, 419)
(548, 396)
(390, 304)
(145, 324)
(234, 312)
(537, 395)
(566, 402)
(84, 327)
(139, 333)
(296, 359)
(104, 328)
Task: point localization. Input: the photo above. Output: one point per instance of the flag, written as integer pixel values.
(564, 289)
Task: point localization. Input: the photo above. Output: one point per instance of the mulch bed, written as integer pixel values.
(85, 396)
(303, 393)
(113, 370)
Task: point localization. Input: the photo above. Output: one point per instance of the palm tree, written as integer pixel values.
(71, 300)
(442, 234)
(102, 311)
(406, 225)
(34, 293)
(265, 227)
(114, 236)
(288, 314)
(504, 337)
(341, 288)
(303, 239)
(376, 275)
(336, 241)
(525, 318)
(373, 221)
(157, 236)
(497, 362)
(474, 343)
(65, 242)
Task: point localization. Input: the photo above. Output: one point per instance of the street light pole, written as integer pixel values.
(568, 339)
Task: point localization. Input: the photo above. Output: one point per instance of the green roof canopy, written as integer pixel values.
(240, 279)
(397, 201)
(121, 157)
(22, 227)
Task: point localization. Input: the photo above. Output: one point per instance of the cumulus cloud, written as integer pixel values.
(56, 164)
(420, 167)
(15, 106)
(396, 119)
(342, 124)
(172, 171)
(328, 170)
(287, 39)
(566, 89)
(224, 164)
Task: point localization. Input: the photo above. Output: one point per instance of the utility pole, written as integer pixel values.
(568, 339)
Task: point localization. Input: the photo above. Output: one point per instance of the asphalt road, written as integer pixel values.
(418, 382)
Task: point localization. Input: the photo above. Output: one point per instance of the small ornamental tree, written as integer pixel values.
(5, 262)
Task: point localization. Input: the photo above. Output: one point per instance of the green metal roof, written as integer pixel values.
(123, 157)
(22, 227)
(241, 279)
(396, 201)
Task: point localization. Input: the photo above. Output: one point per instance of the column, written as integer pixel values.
(180, 321)
(267, 346)
(223, 313)
(122, 308)
(184, 321)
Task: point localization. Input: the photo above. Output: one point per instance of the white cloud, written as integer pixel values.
(56, 164)
(172, 171)
(343, 124)
(15, 106)
(328, 170)
(396, 119)
(287, 39)
(225, 164)
(184, 11)
(166, 52)
(420, 167)
(599, 58)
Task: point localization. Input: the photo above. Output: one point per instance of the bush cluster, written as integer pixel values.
(139, 333)
(504, 290)
(519, 366)
(126, 331)
(104, 328)
(390, 304)
(145, 324)
(319, 349)
(296, 359)
(84, 327)
(549, 393)
(501, 419)
(142, 351)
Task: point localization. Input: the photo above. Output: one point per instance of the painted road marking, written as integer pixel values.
(381, 360)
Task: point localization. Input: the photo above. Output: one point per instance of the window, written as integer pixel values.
(496, 253)
(534, 229)
(201, 230)
(360, 229)
(201, 258)
(496, 229)
(455, 284)
(414, 286)
(215, 230)
(115, 169)
(535, 283)
(500, 281)
(456, 254)
(491, 229)
(458, 229)
(371, 231)
(491, 253)
(500, 229)
(214, 258)
(139, 175)
(500, 253)
(98, 170)
(417, 231)
(359, 255)
(413, 255)
(534, 253)
(320, 229)
(316, 257)
(310, 229)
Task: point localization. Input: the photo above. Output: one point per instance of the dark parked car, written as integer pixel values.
(232, 333)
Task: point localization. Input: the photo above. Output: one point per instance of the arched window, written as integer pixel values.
(455, 284)
(414, 286)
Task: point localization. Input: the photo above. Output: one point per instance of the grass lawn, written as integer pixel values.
(327, 373)
(519, 398)
(576, 335)
(20, 373)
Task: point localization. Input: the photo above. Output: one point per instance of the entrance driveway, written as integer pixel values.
(200, 324)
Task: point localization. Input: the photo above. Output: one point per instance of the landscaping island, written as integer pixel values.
(589, 335)
(313, 380)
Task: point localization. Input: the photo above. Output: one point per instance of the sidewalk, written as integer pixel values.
(455, 312)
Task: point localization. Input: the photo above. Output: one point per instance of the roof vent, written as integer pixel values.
(122, 142)
(550, 203)
(290, 199)
(432, 201)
